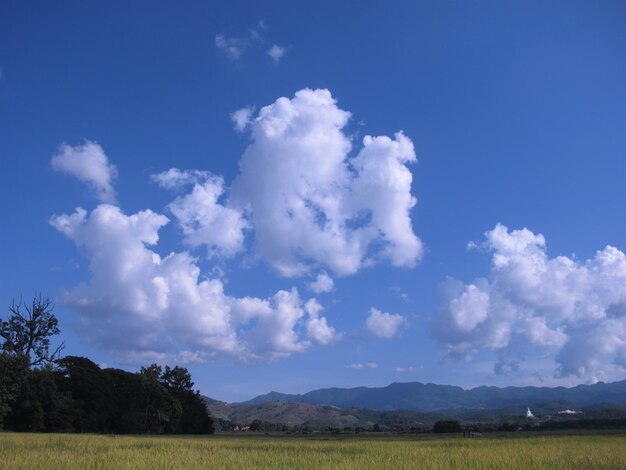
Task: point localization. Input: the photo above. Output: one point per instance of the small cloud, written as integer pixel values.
(359, 366)
(176, 179)
(276, 52)
(384, 325)
(317, 325)
(323, 283)
(199, 212)
(241, 118)
(89, 164)
(409, 369)
(232, 47)
(398, 292)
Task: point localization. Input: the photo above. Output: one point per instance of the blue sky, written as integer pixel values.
(513, 121)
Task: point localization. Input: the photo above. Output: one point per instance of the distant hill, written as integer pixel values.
(419, 397)
(325, 417)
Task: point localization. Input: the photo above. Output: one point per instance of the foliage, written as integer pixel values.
(40, 405)
(178, 379)
(28, 330)
(13, 374)
(447, 425)
(76, 395)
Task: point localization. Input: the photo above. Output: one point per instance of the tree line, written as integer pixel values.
(42, 392)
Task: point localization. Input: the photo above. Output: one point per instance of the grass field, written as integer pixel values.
(67, 451)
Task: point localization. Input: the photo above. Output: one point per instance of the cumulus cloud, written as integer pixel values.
(204, 221)
(165, 308)
(310, 204)
(89, 164)
(572, 309)
(384, 325)
(323, 283)
(241, 118)
(276, 52)
(317, 326)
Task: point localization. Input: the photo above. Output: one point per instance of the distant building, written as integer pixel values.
(529, 414)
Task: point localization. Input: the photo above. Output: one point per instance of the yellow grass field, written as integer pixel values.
(67, 451)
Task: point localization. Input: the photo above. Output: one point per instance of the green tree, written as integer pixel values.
(41, 406)
(447, 425)
(13, 374)
(91, 391)
(195, 418)
(28, 329)
(152, 372)
(178, 379)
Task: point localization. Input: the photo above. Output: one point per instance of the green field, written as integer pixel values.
(71, 451)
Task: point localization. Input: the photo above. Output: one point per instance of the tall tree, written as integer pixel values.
(152, 372)
(28, 330)
(13, 373)
(178, 379)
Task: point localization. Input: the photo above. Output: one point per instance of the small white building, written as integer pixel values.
(529, 414)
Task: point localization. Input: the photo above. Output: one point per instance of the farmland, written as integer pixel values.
(513, 450)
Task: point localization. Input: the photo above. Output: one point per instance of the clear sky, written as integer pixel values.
(296, 195)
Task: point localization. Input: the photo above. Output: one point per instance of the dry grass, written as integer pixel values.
(58, 451)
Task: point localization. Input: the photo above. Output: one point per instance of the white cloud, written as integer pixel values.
(384, 325)
(310, 204)
(177, 179)
(231, 47)
(241, 118)
(204, 221)
(234, 47)
(359, 366)
(398, 292)
(572, 309)
(317, 326)
(166, 310)
(409, 369)
(89, 164)
(276, 52)
(323, 283)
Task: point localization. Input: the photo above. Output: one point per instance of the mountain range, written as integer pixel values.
(419, 397)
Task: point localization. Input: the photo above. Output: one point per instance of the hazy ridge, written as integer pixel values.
(416, 396)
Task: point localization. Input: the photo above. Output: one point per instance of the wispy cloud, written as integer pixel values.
(241, 118)
(234, 47)
(276, 52)
(409, 369)
(359, 366)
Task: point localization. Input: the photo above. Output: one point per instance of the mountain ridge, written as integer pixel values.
(417, 396)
